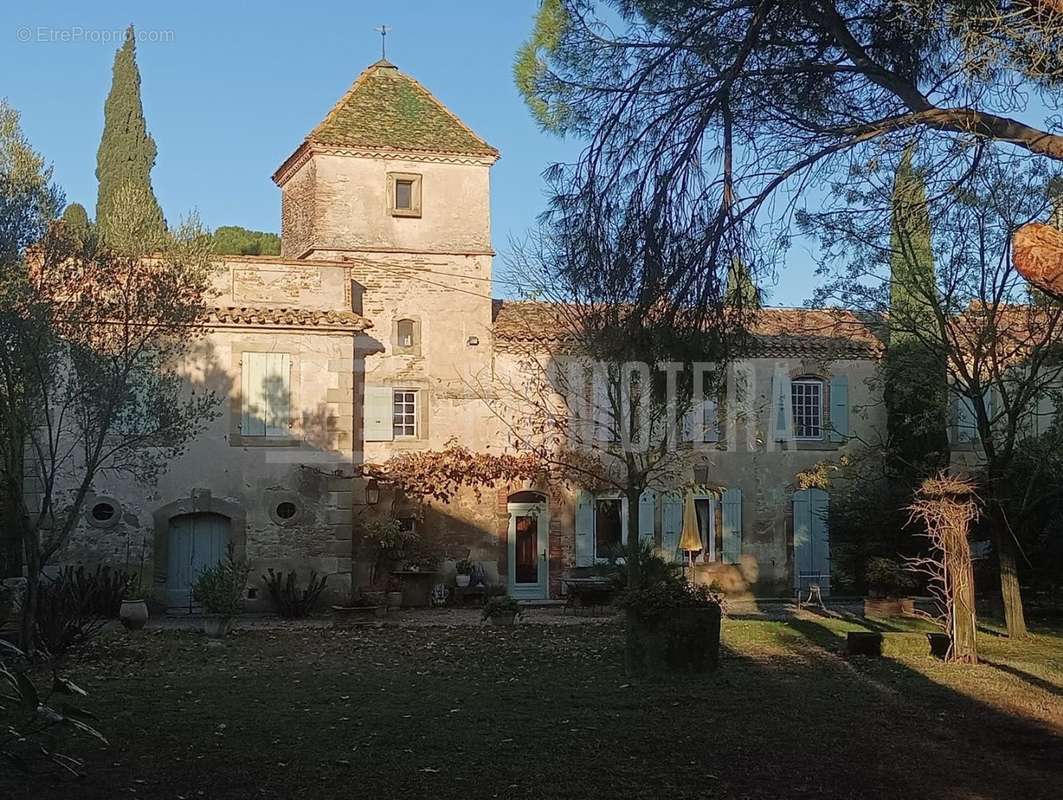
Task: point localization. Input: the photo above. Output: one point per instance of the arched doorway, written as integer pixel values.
(528, 546)
(195, 542)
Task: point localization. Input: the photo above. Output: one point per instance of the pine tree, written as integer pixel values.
(916, 392)
(127, 154)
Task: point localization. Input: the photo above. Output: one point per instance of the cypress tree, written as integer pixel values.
(741, 291)
(916, 392)
(126, 154)
(76, 220)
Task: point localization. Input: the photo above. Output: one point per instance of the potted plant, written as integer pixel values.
(134, 610)
(220, 589)
(888, 584)
(394, 593)
(463, 570)
(359, 609)
(502, 610)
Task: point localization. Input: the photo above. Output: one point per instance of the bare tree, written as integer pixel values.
(91, 377)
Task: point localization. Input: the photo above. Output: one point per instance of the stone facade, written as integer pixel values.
(383, 300)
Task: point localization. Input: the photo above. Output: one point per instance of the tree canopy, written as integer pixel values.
(232, 240)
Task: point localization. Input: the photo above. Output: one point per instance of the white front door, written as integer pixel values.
(528, 557)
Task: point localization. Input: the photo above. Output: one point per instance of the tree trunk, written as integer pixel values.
(33, 583)
(1010, 592)
(964, 631)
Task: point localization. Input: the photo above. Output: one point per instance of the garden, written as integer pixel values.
(545, 710)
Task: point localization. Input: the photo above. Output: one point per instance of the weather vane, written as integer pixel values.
(383, 30)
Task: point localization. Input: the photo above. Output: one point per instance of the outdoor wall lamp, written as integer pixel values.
(372, 492)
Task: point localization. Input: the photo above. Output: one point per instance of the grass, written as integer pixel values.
(547, 712)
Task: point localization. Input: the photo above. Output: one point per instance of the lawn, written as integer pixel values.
(547, 712)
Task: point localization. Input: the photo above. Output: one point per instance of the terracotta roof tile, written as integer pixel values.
(288, 317)
(385, 108)
(777, 332)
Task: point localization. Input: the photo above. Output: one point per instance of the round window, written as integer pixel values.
(286, 510)
(103, 512)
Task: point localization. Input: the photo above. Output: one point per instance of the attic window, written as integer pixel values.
(405, 333)
(404, 194)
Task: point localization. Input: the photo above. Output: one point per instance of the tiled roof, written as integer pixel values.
(385, 108)
(776, 333)
(288, 318)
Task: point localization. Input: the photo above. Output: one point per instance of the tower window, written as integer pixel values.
(404, 194)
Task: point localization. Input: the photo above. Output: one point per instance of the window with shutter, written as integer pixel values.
(731, 520)
(647, 515)
(265, 394)
(671, 525)
(377, 414)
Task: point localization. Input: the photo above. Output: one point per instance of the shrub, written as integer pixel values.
(653, 568)
(652, 602)
(30, 723)
(887, 577)
(289, 600)
(73, 606)
(221, 588)
(502, 606)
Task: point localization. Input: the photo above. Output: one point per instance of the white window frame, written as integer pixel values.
(623, 522)
(414, 179)
(708, 555)
(821, 399)
(414, 413)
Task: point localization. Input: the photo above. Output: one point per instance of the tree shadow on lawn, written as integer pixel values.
(1024, 676)
(538, 712)
(949, 733)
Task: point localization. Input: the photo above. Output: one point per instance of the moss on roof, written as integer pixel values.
(386, 108)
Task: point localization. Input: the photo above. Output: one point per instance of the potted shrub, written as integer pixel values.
(220, 589)
(394, 593)
(463, 570)
(133, 612)
(502, 610)
(359, 609)
(888, 584)
(675, 627)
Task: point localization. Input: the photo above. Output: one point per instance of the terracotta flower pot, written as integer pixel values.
(133, 614)
(216, 626)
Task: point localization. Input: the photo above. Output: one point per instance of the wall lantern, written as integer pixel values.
(372, 492)
(472, 341)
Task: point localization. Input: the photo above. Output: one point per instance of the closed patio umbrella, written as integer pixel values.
(690, 538)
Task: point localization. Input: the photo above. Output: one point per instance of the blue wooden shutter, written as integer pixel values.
(377, 422)
(819, 503)
(802, 536)
(276, 393)
(966, 424)
(710, 419)
(647, 515)
(253, 406)
(781, 406)
(839, 408)
(584, 529)
(732, 525)
(671, 525)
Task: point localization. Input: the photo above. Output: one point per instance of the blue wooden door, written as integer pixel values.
(196, 542)
(811, 540)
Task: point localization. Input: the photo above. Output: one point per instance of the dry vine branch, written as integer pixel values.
(947, 506)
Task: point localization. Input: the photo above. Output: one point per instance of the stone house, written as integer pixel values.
(374, 334)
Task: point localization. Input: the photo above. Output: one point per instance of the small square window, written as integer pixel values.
(404, 194)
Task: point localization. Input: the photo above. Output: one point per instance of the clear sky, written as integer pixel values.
(230, 90)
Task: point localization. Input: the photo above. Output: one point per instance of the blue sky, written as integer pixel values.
(230, 90)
